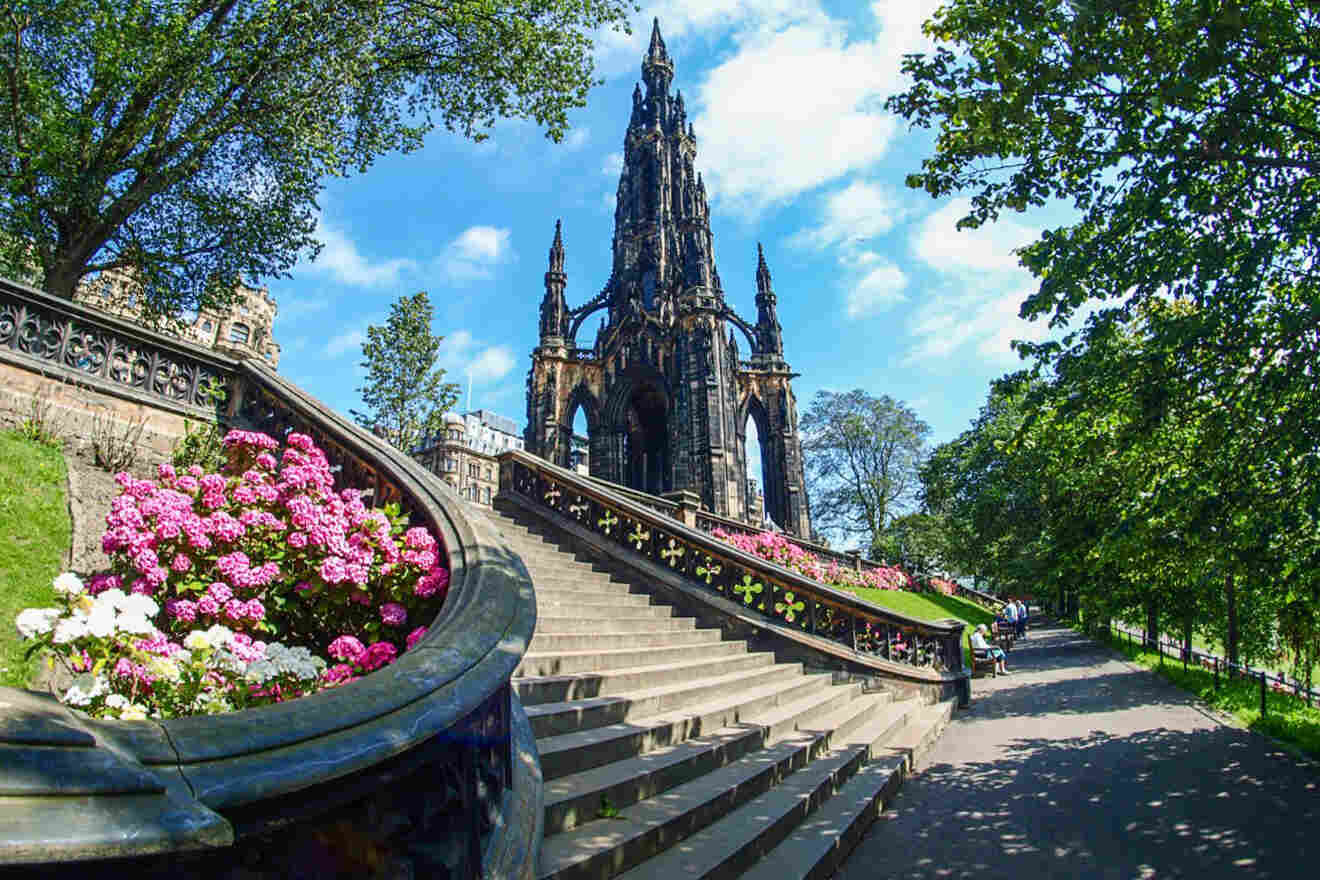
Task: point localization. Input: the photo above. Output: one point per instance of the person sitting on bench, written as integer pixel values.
(982, 648)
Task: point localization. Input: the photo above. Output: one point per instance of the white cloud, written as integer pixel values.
(879, 289)
(340, 259)
(350, 340)
(576, 138)
(800, 105)
(474, 255)
(461, 356)
(857, 212)
(612, 166)
(492, 364)
(974, 307)
(989, 248)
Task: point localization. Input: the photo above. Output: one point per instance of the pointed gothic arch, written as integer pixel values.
(753, 409)
(637, 416)
(580, 398)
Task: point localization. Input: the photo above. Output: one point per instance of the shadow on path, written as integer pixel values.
(1079, 765)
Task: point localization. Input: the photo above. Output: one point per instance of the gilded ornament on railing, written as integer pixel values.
(638, 537)
(672, 552)
(579, 507)
(708, 570)
(789, 608)
(607, 522)
(748, 589)
(552, 495)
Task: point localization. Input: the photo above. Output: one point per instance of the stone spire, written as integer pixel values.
(657, 69)
(554, 309)
(769, 335)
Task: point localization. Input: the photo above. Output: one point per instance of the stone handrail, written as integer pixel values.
(782, 598)
(443, 709)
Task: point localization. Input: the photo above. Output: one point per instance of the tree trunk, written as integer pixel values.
(1187, 635)
(1230, 598)
(62, 278)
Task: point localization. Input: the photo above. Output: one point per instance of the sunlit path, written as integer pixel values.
(1081, 765)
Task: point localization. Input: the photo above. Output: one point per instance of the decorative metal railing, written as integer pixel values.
(781, 597)
(87, 343)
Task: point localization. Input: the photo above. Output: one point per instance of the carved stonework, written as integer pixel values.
(665, 395)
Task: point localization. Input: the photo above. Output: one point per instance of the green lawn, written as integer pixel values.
(931, 606)
(34, 538)
(1286, 718)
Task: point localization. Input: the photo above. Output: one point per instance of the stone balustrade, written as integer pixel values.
(432, 754)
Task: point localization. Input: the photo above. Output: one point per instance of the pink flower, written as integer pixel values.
(432, 582)
(180, 563)
(183, 610)
(220, 592)
(346, 648)
(393, 614)
(208, 605)
(415, 636)
(255, 610)
(378, 654)
(338, 674)
(235, 609)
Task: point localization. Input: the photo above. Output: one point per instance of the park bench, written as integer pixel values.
(983, 659)
(1003, 635)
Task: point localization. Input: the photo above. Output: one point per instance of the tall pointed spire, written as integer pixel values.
(769, 335)
(657, 69)
(554, 308)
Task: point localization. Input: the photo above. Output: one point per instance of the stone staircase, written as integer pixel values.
(669, 752)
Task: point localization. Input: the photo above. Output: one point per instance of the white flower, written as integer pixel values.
(111, 597)
(33, 622)
(219, 636)
(68, 584)
(162, 667)
(116, 702)
(84, 689)
(138, 604)
(68, 629)
(135, 712)
(197, 641)
(135, 624)
(101, 622)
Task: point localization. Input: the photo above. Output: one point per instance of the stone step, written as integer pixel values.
(561, 596)
(635, 620)
(547, 643)
(603, 610)
(575, 798)
(604, 847)
(744, 690)
(818, 846)
(584, 749)
(787, 718)
(611, 673)
(570, 575)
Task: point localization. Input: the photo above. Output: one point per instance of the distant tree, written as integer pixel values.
(862, 455)
(405, 391)
(187, 141)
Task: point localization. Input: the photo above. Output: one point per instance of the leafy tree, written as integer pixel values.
(862, 454)
(405, 391)
(187, 141)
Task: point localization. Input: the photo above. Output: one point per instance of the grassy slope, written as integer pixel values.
(931, 606)
(34, 537)
(1287, 718)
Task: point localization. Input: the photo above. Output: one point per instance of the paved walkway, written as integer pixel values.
(1082, 765)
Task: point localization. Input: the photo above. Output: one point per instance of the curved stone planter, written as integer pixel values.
(74, 788)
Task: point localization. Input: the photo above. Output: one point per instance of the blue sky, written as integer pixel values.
(877, 290)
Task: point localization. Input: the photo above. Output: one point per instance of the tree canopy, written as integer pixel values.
(862, 454)
(187, 140)
(404, 391)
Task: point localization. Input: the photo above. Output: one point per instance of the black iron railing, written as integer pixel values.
(778, 595)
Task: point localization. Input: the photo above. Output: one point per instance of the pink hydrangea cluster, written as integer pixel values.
(268, 545)
(778, 549)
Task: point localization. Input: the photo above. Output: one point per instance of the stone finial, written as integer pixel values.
(657, 69)
(557, 249)
(762, 273)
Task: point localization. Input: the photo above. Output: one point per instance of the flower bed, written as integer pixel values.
(778, 549)
(251, 585)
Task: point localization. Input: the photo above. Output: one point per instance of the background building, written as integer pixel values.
(243, 330)
(465, 454)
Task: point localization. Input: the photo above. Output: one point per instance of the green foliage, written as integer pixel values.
(931, 606)
(202, 444)
(1286, 718)
(405, 391)
(34, 539)
(862, 454)
(189, 140)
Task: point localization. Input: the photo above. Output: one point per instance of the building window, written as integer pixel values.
(206, 326)
(239, 333)
(474, 470)
(485, 495)
(488, 474)
(455, 434)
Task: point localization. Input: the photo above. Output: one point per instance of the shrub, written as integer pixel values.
(231, 588)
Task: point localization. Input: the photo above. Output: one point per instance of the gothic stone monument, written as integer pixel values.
(665, 394)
